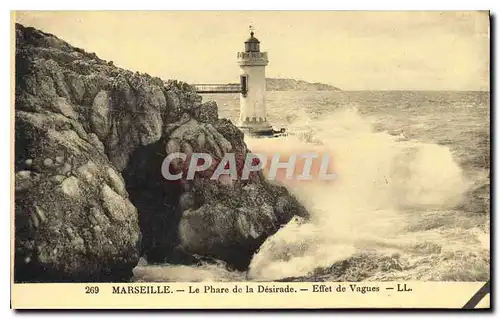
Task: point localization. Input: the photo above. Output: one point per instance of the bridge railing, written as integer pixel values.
(217, 88)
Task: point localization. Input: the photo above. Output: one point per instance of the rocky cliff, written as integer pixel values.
(90, 198)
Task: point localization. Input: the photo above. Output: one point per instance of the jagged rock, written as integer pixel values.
(47, 162)
(76, 85)
(136, 118)
(43, 252)
(116, 182)
(62, 106)
(99, 120)
(208, 112)
(94, 140)
(88, 172)
(223, 219)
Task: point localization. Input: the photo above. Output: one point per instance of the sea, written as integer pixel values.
(411, 200)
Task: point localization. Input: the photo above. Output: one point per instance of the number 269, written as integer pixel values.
(91, 289)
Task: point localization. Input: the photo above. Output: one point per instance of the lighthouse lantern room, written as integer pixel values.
(252, 64)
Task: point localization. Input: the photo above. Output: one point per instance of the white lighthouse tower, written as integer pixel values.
(253, 63)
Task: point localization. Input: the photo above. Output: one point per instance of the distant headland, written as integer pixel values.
(277, 84)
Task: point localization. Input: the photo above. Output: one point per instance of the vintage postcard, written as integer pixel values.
(251, 159)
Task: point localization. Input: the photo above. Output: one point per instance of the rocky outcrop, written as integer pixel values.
(73, 218)
(225, 219)
(90, 142)
(228, 218)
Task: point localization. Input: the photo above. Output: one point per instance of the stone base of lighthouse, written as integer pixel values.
(256, 128)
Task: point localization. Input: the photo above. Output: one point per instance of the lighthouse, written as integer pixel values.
(252, 62)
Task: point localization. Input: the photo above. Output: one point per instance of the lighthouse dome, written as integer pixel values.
(252, 39)
(252, 44)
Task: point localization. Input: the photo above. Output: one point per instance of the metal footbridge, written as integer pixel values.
(217, 88)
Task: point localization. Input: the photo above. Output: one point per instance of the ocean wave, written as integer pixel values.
(385, 187)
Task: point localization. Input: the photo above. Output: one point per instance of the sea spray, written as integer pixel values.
(381, 179)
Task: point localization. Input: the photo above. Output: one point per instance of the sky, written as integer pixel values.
(353, 50)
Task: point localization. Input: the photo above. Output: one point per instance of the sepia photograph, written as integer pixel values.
(218, 153)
